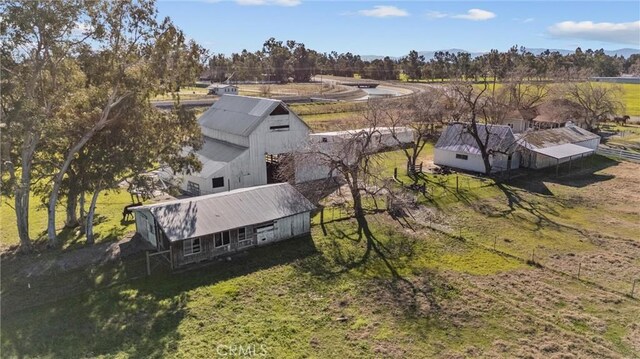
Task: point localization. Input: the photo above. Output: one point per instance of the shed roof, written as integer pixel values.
(219, 86)
(456, 138)
(203, 215)
(238, 115)
(555, 136)
(216, 154)
(349, 133)
(563, 151)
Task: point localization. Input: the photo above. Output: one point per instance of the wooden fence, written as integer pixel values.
(619, 153)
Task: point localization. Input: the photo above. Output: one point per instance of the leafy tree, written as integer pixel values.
(37, 80)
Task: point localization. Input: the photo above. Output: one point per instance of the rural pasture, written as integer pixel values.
(453, 295)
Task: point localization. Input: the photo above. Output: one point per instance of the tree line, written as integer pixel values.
(280, 61)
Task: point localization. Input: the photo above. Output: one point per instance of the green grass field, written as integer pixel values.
(453, 296)
(107, 221)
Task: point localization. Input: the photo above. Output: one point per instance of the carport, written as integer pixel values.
(563, 152)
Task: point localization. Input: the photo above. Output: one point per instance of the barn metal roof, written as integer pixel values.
(238, 115)
(563, 151)
(555, 137)
(456, 138)
(215, 154)
(202, 215)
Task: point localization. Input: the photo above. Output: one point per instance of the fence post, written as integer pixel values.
(533, 256)
(456, 183)
(633, 287)
(148, 264)
(579, 269)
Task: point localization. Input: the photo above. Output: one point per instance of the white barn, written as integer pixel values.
(200, 228)
(456, 148)
(545, 148)
(243, 138)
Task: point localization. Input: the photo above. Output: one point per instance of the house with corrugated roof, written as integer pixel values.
(244, 140)
(222, 89)
(201, 228)
(551, 147)
(457, 148)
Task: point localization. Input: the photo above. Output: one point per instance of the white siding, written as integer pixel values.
(292, 226)
(242, 172)
(145, 226)
(473, 162)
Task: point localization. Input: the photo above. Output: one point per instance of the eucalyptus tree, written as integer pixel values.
(38, 77)
(132, 56)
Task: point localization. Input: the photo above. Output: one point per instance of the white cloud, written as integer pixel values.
(269, 2)
(472, 14)
(621, 33)
(383, 11)
(527, 20)
(475, 15)
(436, 14)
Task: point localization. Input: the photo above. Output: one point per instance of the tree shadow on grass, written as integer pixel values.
(86, 313)
(381, 256)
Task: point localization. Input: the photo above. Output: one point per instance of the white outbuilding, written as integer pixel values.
(222, 89)
(545, 148)
(456, 148)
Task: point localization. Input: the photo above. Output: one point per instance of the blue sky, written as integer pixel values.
(396, 27)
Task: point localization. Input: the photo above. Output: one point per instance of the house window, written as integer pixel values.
(192, 246)
(279, 128)
(222, 239)
(324, 139)
(193, 188)
(462, 157)
(217, 182)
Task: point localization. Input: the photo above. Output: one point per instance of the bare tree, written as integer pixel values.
(420, 113)
(596, 101)
(478, 109)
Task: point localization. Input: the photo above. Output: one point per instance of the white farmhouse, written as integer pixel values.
(243, 139)
(456, 148)
(222, 89)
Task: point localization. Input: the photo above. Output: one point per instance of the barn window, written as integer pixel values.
(241, 234)
(217, 182)
(222, 239)
(462, 157)
(192, 246)
(324, 139)
(280, 110)
(279, 128)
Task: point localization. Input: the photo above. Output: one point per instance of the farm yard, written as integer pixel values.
(497, 259)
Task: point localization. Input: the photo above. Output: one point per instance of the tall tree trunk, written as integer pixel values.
(69, 157)
(90, 215)
(83, 214)
(72, 206)
(23, 189)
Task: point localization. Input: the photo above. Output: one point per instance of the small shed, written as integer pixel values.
(222, 89)
(201, 228)
(456, 148)
(545, 148)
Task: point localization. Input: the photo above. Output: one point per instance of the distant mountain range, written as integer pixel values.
(428, 55)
